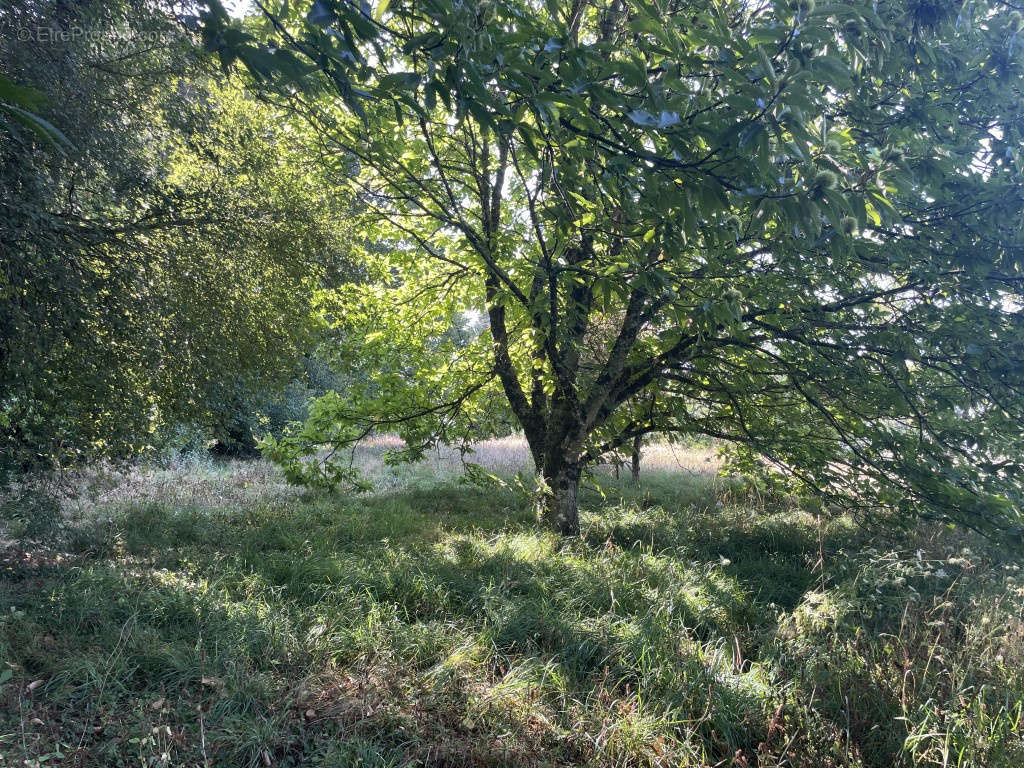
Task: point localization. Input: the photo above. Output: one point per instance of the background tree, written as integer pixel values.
(807, 218)
(420, 372)
(160, 247)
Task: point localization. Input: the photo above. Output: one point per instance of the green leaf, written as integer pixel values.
(40, 126)
(321, 14)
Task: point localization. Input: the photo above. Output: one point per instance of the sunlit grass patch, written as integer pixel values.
(439, 626)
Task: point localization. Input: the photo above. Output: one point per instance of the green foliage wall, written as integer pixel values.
(158, 265)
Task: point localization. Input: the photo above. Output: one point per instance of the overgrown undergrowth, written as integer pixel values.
(436, 625)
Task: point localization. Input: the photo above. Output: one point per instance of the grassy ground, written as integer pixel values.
(207, 614)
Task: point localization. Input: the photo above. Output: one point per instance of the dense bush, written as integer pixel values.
(159, 264)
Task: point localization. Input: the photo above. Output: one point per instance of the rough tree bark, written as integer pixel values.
(560, 504)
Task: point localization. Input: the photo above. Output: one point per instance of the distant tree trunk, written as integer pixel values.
(635, 459)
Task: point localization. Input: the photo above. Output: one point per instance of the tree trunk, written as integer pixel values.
(561, 508)
(635, 460)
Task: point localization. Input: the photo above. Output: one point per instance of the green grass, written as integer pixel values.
(436, 625)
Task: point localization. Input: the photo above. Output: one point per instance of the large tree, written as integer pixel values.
(804, 223)
(161, 234)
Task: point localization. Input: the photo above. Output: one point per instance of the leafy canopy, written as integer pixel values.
(791, 226)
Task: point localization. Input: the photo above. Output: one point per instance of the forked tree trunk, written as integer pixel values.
(561, 506)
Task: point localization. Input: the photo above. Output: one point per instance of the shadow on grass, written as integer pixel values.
(437, 626)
